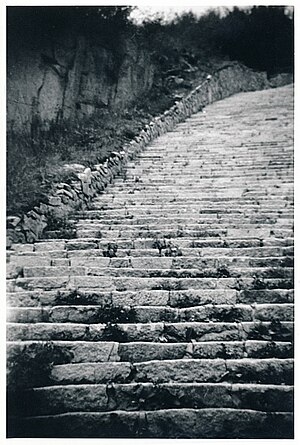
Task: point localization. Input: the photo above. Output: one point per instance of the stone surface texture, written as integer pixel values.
(174, 302)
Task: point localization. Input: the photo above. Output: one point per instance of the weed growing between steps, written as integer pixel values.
(111, 250)
(275, 331)
(59, 227)
(113, 332)
(104, 313)
(167, 248)
(30, 367)
(112, 314)
(229, 315)
(74, 297)
(169, 285)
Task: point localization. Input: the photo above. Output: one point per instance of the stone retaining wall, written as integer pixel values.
(230, 79)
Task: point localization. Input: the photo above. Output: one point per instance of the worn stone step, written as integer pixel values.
(239, 249)
(177, 263)
(179, 222)
(218, 271)
(143, 351)
(212, 172)
(147, 314)
(205, 218)
(128, 186)
(226, 192)
(152, 332)
(84, 351)
(142, 346)
(197, 199)
(133, 283)
(245, 250)
(267, 371)
(193, 211)
(149, 174)
(217, 199)
(188, 298)
(199, 248)
(241, 231)
(164, 423)
(147, 396)
(125, 189)
(265, 296)
(144, 297)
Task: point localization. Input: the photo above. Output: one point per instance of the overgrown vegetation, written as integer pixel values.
(34, 364)
(35, 163)
(167, 248)
(113, 332)
(31, 367)
(111, 250)
(59, 227)
(183, 50)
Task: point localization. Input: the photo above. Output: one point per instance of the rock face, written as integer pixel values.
(72, 75)
(170, 313)
(230, 79)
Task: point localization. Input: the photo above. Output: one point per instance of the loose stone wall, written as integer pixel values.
(230, 79)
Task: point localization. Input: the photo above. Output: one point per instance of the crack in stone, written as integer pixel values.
(114, 346)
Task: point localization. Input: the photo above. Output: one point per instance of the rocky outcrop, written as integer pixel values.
(230, 79)
(72, 75)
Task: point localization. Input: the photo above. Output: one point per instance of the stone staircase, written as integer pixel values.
(170, 314)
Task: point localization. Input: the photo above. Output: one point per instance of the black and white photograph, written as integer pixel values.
(149, 221)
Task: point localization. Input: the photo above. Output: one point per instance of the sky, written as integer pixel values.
(167, 10)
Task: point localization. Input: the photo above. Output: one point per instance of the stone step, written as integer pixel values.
(88, 351)
(199, 250)
(152, 332)
(142, 283)
(261, 185)
(214, 232)
(169, 314)
(124, 215)
(154, 172)
(148, 396)
(43, 247)
(186, 184)
(244, 152)
(188, 200)
(169, 262)
(189, 197)
(94, 216)
(249, 165)
(194, 208)
(163, 423)
(127, 181)
(200, 213)
(129, 189)
(181, 221)
(182, 243)
(144, 272)
(188, 298)
(266, 371)
(147, 314)
(212, 174)
(140, 247)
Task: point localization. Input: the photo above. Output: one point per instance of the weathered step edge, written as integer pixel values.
(208, 423)
(61, 399)
(66, 198)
